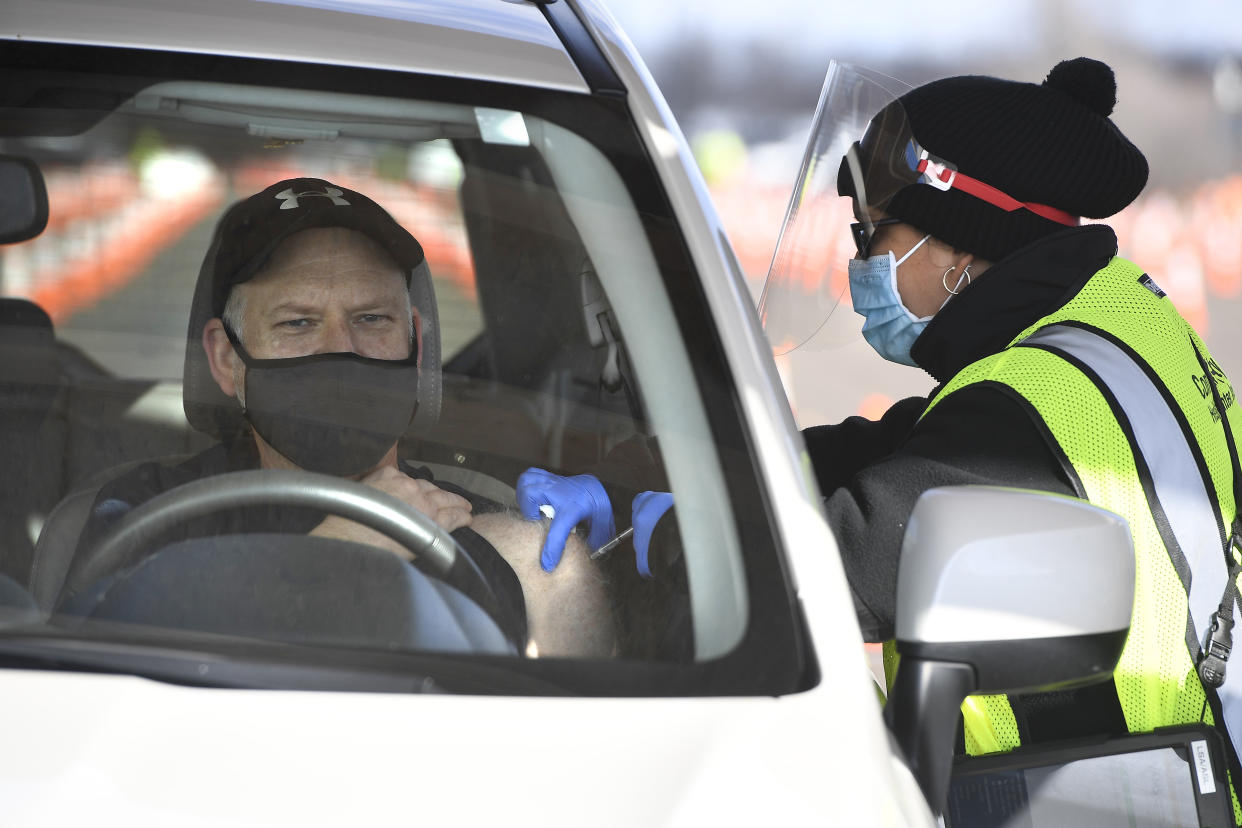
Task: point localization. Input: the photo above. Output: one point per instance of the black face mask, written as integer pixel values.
(338, 414)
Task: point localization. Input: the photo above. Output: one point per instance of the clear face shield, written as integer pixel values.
(808, 278)
(843, 190)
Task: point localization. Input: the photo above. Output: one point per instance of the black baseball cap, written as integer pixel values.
(254, 227)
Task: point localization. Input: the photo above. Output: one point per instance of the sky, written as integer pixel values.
(925, 30)
(1165, 53)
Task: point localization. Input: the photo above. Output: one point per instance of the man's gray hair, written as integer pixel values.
(235, 311)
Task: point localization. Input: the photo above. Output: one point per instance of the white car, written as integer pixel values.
(588, 303)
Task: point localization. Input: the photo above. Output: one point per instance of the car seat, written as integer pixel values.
(549, 342)
(33, 432)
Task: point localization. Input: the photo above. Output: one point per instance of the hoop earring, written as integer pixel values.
(956, 289)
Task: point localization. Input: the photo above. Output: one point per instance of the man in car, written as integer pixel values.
(317, 344)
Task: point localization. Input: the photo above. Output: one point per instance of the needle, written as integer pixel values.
(608, 547)
(549, 512)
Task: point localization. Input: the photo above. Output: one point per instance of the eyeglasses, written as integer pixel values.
(862, 237)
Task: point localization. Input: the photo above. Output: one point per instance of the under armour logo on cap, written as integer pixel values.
(289, 199)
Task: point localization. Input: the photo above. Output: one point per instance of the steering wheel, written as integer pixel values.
(132, 538)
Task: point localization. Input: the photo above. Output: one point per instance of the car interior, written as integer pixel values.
(564, 329)
(536, 372)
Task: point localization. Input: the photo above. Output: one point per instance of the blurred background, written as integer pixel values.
(743, 79)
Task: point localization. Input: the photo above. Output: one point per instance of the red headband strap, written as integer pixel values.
(944, 178)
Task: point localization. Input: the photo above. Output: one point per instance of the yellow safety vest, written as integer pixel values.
(1115, 378)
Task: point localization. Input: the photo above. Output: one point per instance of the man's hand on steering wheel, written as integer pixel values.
(448, 510)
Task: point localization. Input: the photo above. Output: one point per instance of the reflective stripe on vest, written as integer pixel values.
(1179, 488)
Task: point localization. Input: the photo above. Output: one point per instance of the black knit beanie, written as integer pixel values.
(1049, 143)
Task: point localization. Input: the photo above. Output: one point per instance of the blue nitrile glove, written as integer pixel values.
(649, 507)
(575, 499)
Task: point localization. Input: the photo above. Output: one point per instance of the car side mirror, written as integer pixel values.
(1001, 590)
(23, 200)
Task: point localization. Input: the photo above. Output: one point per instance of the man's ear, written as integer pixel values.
(220, 356)
(418, 333)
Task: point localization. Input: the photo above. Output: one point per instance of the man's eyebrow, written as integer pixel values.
(366, 304)
(291, 306)
(376, 304)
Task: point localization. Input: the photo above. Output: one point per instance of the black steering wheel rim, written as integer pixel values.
(130, 541)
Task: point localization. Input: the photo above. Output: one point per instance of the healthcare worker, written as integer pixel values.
(1061, 367)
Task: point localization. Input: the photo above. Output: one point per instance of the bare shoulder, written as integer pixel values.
(568, 611)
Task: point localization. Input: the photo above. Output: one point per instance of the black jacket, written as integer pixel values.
(871, 473)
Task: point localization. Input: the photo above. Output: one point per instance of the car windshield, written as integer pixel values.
(557, 323)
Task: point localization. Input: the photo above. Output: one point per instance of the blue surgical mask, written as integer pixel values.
(890, 328)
